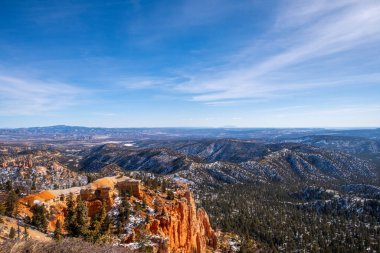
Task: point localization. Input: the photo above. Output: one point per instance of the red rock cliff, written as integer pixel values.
(187, 229)
(171, 225)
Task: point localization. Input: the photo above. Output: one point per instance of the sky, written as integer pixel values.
(190, 63)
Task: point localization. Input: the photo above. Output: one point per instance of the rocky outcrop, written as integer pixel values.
(94, 207)
(161, 223)
(132, 186)
(186, 228)
(175, 225)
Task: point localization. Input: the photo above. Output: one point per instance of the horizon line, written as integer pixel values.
(195, 127)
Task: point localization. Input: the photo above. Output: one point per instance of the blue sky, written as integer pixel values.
(193, 63)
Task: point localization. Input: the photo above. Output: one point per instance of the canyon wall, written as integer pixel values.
(166, 225)
(187, 228)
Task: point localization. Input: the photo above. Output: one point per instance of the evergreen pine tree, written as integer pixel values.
(12, 233)
(33, 187)
(58, 231)
(106, 225)
(123, 215)
(39, 217)
(103, 213)
(18, 231)
(11, 205)
(170, 195)
(119, 227)
(8, 186)
(163, 186)
(26, 234)
(124, 210)
(97, 223)
(81, 221)
(105, 220)
(93, 234)
(70, 215)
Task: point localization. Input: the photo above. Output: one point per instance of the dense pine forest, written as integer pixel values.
(267, 213)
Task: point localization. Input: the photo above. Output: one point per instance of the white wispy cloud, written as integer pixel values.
(34, 97)
(317, 29)
(146, 82)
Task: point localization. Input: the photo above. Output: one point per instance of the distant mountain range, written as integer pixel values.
(96, 135)
(215, 155)
(232, 161)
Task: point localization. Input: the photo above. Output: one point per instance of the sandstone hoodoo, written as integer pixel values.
(186, 228)
(157, 218)
(130, 185)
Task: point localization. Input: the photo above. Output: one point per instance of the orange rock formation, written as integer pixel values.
(178, 225)
(44, 196)
(130, 185)
(188, 229)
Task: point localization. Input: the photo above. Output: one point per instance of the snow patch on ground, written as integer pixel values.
(182, 180)
(134, 221)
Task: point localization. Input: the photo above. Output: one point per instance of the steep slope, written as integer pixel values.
(8, 223)
(157, 160)
(155, 222)
(350, 144)
(233, 161)
(216, 150)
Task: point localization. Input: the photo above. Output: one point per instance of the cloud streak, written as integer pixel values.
(321, 29)
(35, 97)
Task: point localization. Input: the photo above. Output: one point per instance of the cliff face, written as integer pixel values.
(165, 224)
(187, 229)
(176, 225)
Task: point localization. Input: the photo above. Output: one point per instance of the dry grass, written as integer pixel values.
(65, 246)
